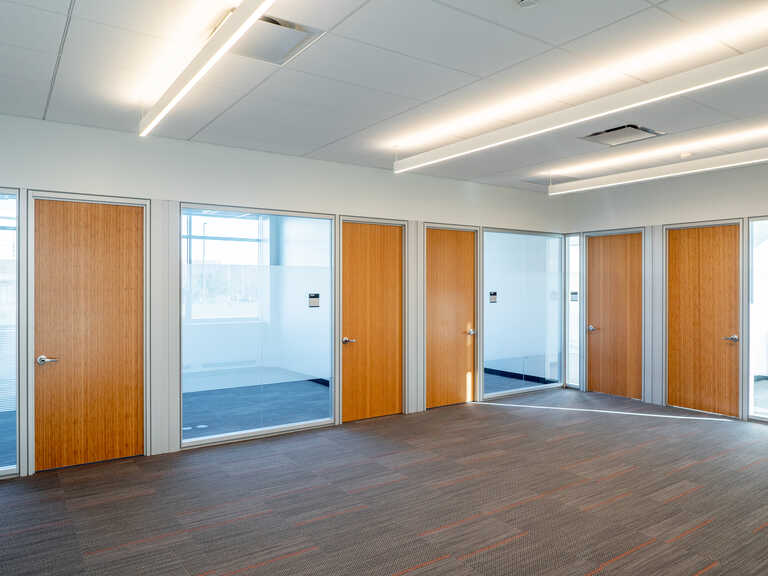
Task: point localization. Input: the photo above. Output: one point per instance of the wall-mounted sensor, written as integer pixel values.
(574, 296)
(493, 297)
(314, 300)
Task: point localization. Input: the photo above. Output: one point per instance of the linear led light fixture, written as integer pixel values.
(226, 35)
(710, 164)
(686, 82)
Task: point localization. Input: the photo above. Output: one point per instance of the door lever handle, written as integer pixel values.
(42, 360)
(471, 332)
(346, 340)
(733, 338)
(591, 328)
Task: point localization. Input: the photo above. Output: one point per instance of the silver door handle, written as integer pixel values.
(346, 340)
(471, 332)
(733, 338)
(42, 360)
(591, 328)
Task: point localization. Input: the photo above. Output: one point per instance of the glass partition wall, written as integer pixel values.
(8, 331)
(758, 319)
(523, 311)
(573, 311)
(257, 321)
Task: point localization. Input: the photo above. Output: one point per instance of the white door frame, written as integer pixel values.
(27, 465)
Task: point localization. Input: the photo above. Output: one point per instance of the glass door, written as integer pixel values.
(758, 319)
(523, 308)
(573, 310)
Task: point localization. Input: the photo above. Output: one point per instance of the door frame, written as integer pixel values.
(478, 372)
(584, 320)
(563, 320)
(339, 349)
(743, 323)
(27, 466)
(334, 299)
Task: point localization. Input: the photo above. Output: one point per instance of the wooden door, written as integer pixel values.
(372, 304)
(89, 316)
(702, 311)
(615, 314)
(450, 316)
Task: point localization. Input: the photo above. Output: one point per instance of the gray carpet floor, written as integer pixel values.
(465, 490)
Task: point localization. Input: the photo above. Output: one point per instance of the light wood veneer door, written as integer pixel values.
(89, 315)
(372, 304)
(702, 312)
(450, 316)
(615, 313)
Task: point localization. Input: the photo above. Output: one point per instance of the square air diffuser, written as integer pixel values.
(622, 135)
(275, 40)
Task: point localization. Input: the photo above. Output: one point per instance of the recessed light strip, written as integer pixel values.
(721, 162)
(228, 33)
(686, 82)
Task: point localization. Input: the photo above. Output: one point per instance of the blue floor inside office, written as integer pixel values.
(494, 383)
(7, 438)
(225, 410)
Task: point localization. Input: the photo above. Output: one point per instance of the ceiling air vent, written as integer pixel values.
(275, 40)
(622, 135)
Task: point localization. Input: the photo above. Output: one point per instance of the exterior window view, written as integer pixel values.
(257, 314)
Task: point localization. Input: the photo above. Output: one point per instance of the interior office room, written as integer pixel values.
(383, 287)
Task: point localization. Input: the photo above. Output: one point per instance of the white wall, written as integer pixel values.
(733, 193)
(50, 156)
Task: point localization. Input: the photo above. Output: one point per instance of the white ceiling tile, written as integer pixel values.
(162, 18)
(668, 116)
(30, 28)
(742, 98)
(439, 34)
(322, 14)
(60, 6)
(711, 14)
(359, 148)
(100, 75)
(372, 67)
(295, 113)
(231, 78)
(554, 21)
(25, 76)
(647, 31)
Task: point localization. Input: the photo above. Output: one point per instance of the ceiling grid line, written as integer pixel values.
(270, 75)
(58, 56)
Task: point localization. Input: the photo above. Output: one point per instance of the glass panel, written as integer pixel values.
(8, 340)
(758, 320)
(256, 350)
(523, 311)
(573, 311)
